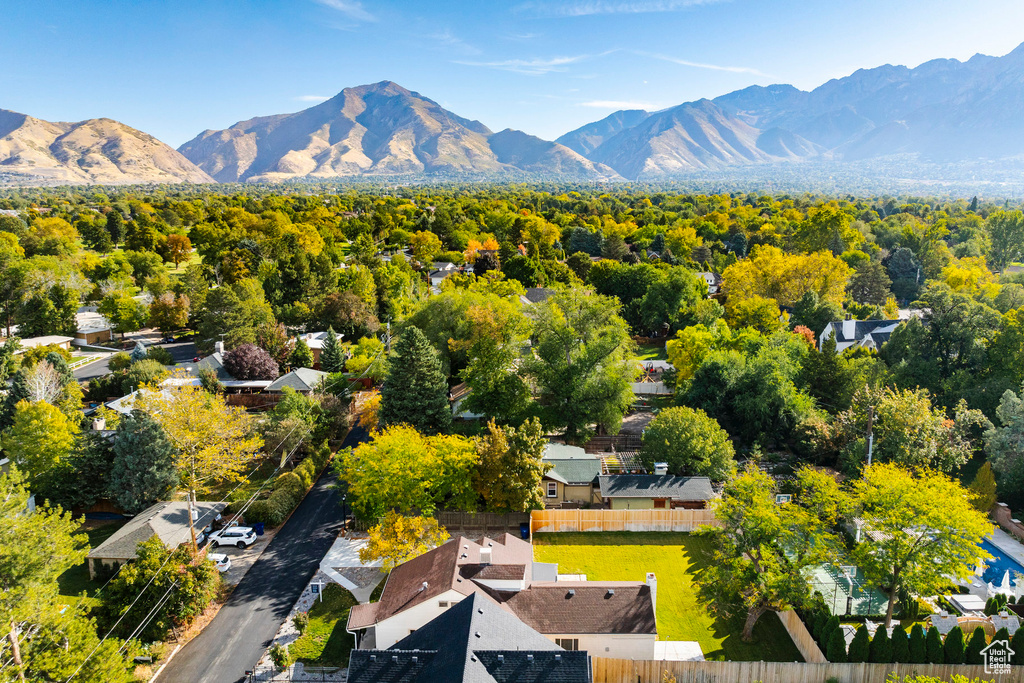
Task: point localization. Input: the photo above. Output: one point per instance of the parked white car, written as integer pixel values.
(239, 536)
(222, 561)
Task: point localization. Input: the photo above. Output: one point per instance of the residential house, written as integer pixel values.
(315, 341)
(713, 281)
(475, 641)
(869, 334)
(655, 491)
(49, 340)
(302, 380)
(92, 327)
(440, 271)
(572, 479)
(613, 618)
(167, 520)
(535, 295)
(456, 397)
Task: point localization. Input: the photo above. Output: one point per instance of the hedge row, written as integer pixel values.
(919, 647)
(289, 490)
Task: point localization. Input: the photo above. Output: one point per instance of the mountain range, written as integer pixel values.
(943, 112)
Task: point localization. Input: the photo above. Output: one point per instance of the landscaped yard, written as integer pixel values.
(651, 352)
(76, 580)
(325, 642)
(675, 558)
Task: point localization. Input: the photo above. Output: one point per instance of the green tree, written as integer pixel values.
(860, 646)
(869, 285)
(582, 363)
(757, 313)
(45, 638)
(974, 647)
(301, 355)
(416, 391)
(933, 646)
(692, 444)
(836, 650)
(953, 647)
(511, 468)
(40, 438)
(1017, 645)
(331, 357)
(918, 652)
(397, 539)
(900, 645)
(143, 470)
(124, 313)
(1006, 231)
(169, 313)
(881, 647)
(919, 531)
(763, 550)
(983, 488)
(1005, 443)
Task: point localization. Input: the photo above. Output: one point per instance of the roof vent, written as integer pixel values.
(558, 658)
(529, 658)
(373, 658)
(415, 659)
(424, 586)
(477, 634)
(479, 610)
(485, 556)
(611, 592)
(572, 592)
(394, 658)
(501, 658)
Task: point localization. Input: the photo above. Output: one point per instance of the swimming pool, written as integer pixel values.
(999, 564)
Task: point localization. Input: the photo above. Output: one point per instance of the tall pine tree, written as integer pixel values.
(975, 646)
(331, 357)
(416, 390)
(143, 470)
(301, 356)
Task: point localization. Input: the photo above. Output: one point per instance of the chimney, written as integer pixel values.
(661, 468)
(485, 555)
(218, 347)
(99, 424)
(652, 581)
(849, 328)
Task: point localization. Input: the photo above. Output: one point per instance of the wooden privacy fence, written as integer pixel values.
(638, 671)
(619, 520)
(487, 522)
(801, 637)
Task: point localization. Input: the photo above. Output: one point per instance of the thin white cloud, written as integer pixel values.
(449, 39)
(618, 104)
(311, 98)
(704, 65)
(353, 9)
(583, 8)
(531, 67)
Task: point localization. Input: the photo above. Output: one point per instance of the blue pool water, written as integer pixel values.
(999, 564)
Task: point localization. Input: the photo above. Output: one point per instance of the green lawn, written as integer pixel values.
(76, 581)
(651, 352)
(231, 491)
(674, 558)
(325, 642)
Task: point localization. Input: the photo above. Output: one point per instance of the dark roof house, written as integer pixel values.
(302, 380)
(476, 641)
(870, 334)
(644, 487)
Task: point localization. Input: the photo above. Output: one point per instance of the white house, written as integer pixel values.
(870, 334)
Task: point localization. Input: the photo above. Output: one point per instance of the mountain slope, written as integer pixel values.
(103, 151)
(589, 137)
(379, 129)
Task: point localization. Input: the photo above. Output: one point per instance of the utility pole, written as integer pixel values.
(871, 436)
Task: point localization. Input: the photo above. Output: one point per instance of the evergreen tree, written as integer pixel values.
(1017, 645)
(881, 647)
(18, 391)
(143, 470)
(918, 653)
(975, 646)
(139, 352)
(933, 647)
(900, 646)
(953, 648)
(831, 624)
(331, 357)
(836, 651)
(860, 646)
(817, 619)
(301, 356)
(1002, 634)
(416, 390)
(990, 607)
(983, 488)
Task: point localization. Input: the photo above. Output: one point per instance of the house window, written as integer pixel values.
(659, 503)
(443, 604)
(568, 643)
(552, 489)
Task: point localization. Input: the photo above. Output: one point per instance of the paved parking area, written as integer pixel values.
(243, 560)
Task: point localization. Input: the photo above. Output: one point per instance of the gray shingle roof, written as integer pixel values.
(861, 328)
(475, 641)
(655, 486)
(300, 379)
(583, 607)
(577, 471)
(168, 520)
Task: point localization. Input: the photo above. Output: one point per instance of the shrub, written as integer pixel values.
(819, 625)
(933, 647)
(900, 645)
(288, 481)
(1017, 645)
(301, 621)
(860, 647)
(250, 362)
(953, 648)
(279, 655)
(836, 651)
(258, 513)
(973, 655)
(831, 624)
(119, 361)
(918, 653)
(881, 647)
(160, 355)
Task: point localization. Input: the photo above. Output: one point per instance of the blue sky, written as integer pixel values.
(175, 67)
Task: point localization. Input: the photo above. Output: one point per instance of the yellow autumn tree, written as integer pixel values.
(770, 273)
(398, 538)
(213, 442)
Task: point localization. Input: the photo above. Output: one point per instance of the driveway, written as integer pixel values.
(244, 628)
(181, 352)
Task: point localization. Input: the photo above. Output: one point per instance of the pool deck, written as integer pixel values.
(1008, 544)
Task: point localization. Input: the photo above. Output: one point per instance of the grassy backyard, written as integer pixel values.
(651, 352)
(325, 642)
(76, 581)
(675, 559)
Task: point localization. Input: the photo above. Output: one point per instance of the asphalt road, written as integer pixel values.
(246, 625)
(180, 352)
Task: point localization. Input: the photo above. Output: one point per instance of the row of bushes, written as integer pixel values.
(917, 648)
(289, 489)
